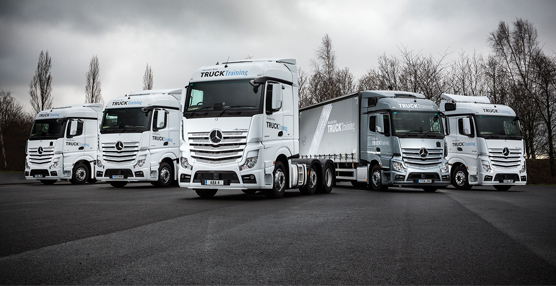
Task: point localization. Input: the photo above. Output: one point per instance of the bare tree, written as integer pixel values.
(303, 82)
(148, 79)
(93, 86)
(345, 81)
(11, 115)
(516, 49)
(369, 81)
(40, 88)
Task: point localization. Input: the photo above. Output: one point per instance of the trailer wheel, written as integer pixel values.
(80, 174)
(502, 188)
(312, 182)
(376, 179)
(118, 184)
(165, 175)
(459, 178)
(48, 182)
(206, 194)
(279, 183)
(327, 181)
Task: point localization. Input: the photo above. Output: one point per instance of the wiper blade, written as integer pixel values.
(204, 107)
(234, 106)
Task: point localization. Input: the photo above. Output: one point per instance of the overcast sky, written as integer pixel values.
(177, 37)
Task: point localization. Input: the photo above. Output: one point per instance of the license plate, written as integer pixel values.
(38, 175)
(117, 176)
(425, 181)
(214, 182)
(508, 181)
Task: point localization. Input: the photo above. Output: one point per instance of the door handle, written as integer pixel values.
(460, 149)
(81, 148)
(280, 133)
(166, 143)
(377, 149)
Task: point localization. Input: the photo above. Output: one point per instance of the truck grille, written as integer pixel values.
(126, 155)
(413, 156)
(497, 158)
(229, 150)
(45, 157)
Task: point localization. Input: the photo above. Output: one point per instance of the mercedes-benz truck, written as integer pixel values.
(379, 139)
(485, 147)
(63, 144)
(140, 138)
(241, 131)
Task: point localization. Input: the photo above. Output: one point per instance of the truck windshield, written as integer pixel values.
(125, 120)
(498, 127)
(417, 124)
(223, 98)
(47, 129)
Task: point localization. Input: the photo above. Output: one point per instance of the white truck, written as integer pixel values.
(140, 138)
(242, 131)
(63, 144)
(379, 139)
(485, 145)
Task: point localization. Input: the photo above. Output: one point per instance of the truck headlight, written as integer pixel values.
(251, 162)
(99, 163)
(398, 166)
(523, 168)
(141, 161)
(27, 166)
(54, 164)
(444, 168)
(486, 166)
(185, 163)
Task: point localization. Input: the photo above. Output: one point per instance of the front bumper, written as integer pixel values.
(37, 173)
(203, 176)
(127, 173)
(418, 178)
(499, 179)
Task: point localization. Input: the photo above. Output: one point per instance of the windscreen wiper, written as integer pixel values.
(194, 111)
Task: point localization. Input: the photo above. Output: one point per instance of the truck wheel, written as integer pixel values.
(165, 175)
(502, 188)
(118, 184)
(376, 179)
(206, 193)
(80, 174)
(430, 189)
(327, 181)
(312, 182)
(48, 182)
(459, 178)
(279, 184)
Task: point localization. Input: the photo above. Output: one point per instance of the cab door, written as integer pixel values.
(74, 145)
(382, 141)
(274, 129)
(160, 134)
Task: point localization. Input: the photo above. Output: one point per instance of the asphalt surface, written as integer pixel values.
(96, 234)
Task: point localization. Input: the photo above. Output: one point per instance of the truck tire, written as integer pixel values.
(312, 182)
(376, 179)
(118, 184)
(459, 178)
(206, 194)
(165, 175)
(80, 174)
(279, 182)
(327, 180)
(48, 182)
(502, 188)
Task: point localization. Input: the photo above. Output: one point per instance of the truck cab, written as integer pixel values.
(485, 146)
(63, 144)
(241, 130)
(140, 138)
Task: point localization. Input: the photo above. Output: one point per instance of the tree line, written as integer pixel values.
(517, 73)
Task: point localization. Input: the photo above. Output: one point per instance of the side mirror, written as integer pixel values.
(380, 123)
(160, 119)
(466, 126)
(73, 127)
(277, 97)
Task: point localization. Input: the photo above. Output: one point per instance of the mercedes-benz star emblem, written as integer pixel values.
(41, 150)
(506, 151)
(119, 145)
(423, 152)
(216, 136)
